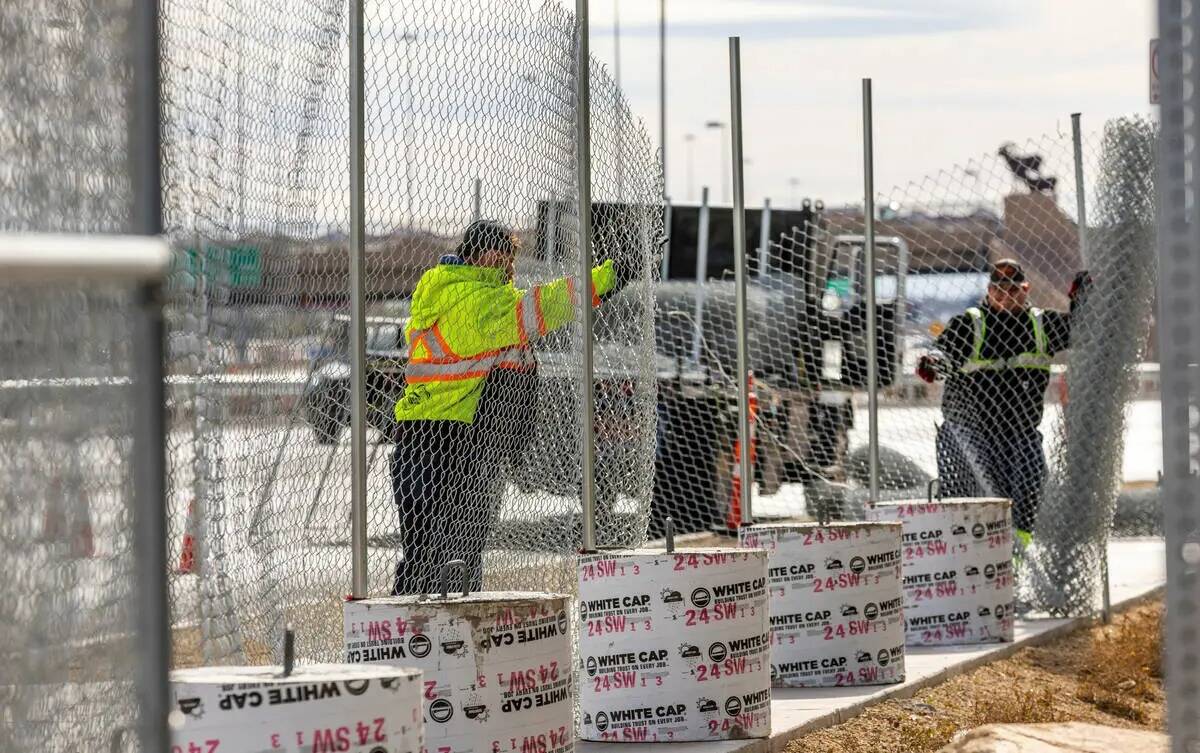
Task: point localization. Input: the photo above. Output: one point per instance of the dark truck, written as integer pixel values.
(807, 348)
(326, 400)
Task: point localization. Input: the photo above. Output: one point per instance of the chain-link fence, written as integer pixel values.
(67, 534)
(1027, 387)
(81, 619)
(470, 114)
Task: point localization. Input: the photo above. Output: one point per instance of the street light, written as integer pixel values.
(688, 138)
(720, 126)
(409, 39)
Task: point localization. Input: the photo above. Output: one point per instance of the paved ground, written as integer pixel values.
(1137, 568)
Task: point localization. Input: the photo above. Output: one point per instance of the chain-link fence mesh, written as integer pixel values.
(470, 113)
(67, 618)
(1027, 399)
(70, 563)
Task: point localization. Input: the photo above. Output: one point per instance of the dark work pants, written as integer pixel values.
(446, 491)
(973, 462)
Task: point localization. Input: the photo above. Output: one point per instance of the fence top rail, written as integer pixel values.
(46, 257)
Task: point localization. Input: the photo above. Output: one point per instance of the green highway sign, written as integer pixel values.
(234, 266)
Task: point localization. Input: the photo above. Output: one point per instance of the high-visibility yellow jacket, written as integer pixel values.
(467, 321)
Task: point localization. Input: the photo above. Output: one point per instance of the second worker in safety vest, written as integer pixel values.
(471, 392)
(996, 359)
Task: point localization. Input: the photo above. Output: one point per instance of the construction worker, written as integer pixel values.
(996, 361)
(470, 396)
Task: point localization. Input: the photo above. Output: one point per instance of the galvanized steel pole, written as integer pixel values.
(764, 249)
(358, 324)
(869, 263)
(149, 419)
(1081, 224)
(1080, 190)
(662, 93)
(701, 277)
(583, 141)
(741, 273)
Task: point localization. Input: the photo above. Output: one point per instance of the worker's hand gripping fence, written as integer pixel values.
(1050, 437)
(469, 115)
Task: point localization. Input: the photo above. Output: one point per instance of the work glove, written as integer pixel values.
(929, 368)
(604, 279)
(1080, 285)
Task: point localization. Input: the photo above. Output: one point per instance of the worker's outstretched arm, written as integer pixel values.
(950, 350)
(525, 316)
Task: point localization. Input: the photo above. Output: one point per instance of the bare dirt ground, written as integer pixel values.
(1103, 674)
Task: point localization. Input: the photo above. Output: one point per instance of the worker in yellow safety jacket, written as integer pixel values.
(469, 398)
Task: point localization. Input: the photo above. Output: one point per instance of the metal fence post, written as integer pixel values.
(477, 200)
(1080, 189)
(701, 276)
(1179, 341)
(869, 264)
(740, 271)
(150, 427)
(1081, 225)
(358, 324)
(665, 270)
(587, 398)
(764, 247)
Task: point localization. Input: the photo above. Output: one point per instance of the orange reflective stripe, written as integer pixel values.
(575, 298)
(417, 340)
(521, 333)
(527, 319)
(478, 366)
(441, 341)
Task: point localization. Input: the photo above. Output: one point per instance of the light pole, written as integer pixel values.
(662, 88)
(720, 127)
(617, 98)
(408, 38)
(688, 138)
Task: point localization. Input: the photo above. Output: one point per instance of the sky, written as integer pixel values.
(952, 80)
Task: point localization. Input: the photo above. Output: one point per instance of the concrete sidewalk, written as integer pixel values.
(1137, 570)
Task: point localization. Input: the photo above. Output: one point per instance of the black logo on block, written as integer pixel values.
(441, 710)
(717, 652)
(357, 687)
(701, 597)
(419, 645)
(733, 705)
(857, 564)
(601, 721)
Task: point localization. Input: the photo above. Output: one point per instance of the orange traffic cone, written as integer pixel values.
(733, 520)
(187, 553)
